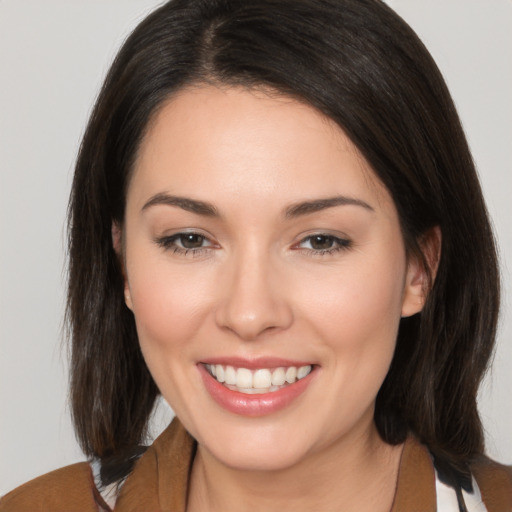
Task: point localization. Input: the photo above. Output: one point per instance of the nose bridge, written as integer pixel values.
(253, 301)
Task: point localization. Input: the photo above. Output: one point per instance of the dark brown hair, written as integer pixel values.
(360, 64)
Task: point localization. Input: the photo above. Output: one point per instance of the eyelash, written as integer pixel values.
(170, 243)
(340, 244)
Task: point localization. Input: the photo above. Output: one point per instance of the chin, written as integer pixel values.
(258, 449)
(257, 459)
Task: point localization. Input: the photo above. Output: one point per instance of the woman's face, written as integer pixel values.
(260, 246)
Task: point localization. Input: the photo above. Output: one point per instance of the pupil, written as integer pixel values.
(192, 241)
(321, 242)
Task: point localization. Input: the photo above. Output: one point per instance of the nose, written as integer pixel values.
(254, 299)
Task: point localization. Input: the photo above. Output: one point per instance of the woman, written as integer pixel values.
(276, 223)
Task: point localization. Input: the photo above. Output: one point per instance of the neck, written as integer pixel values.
(358, 472)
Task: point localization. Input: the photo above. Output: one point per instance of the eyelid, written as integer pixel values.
(339, 235)
(168, 242)
(184, 231)
(341, 242)
(171, 242)
(177, 236)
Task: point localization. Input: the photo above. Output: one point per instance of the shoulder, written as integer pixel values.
(495, 483)
(62, 490)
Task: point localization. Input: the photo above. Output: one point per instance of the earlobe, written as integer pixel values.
(127, 296)
(117, 243)
(419, 280)
(414, 292)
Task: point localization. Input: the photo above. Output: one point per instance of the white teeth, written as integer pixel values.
(251, 391)
(230, 375)
(219, 373)
(303, 371)
(291, 374)
(278, 377)
(262, 380)
(243, 378)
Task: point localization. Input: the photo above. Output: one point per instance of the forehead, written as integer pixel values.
(254, 144)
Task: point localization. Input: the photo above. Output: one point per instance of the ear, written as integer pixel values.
(417, 281)
(117, 243)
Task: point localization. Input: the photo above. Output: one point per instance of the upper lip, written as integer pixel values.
(256, 362)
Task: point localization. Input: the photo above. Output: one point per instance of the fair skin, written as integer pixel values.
(292, 256)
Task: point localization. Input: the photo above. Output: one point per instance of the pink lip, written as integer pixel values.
(253, 405)
(255, 363)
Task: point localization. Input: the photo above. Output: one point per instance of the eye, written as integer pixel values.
(185, 243)
(320, 243)
(190, 240)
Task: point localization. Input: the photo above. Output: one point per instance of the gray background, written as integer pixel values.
(53, 56)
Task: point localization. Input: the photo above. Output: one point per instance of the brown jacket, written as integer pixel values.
(159, 482)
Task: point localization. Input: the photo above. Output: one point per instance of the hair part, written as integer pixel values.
(360, 64)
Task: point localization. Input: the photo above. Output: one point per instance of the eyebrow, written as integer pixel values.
(185, 203)
(292, 211)
(307, 207)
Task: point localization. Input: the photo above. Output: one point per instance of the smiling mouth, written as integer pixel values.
(259, 381)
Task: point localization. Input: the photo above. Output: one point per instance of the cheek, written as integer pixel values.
(357, 313)
(357, 317)
(168, 303)
(169, 308)
(358, 302)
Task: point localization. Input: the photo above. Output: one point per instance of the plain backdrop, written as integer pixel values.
(53, 56)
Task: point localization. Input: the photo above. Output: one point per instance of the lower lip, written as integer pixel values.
(253, 405)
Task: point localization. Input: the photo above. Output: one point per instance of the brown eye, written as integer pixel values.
(321, 242)
(183, 243)
(191, 240)
(324, 244)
